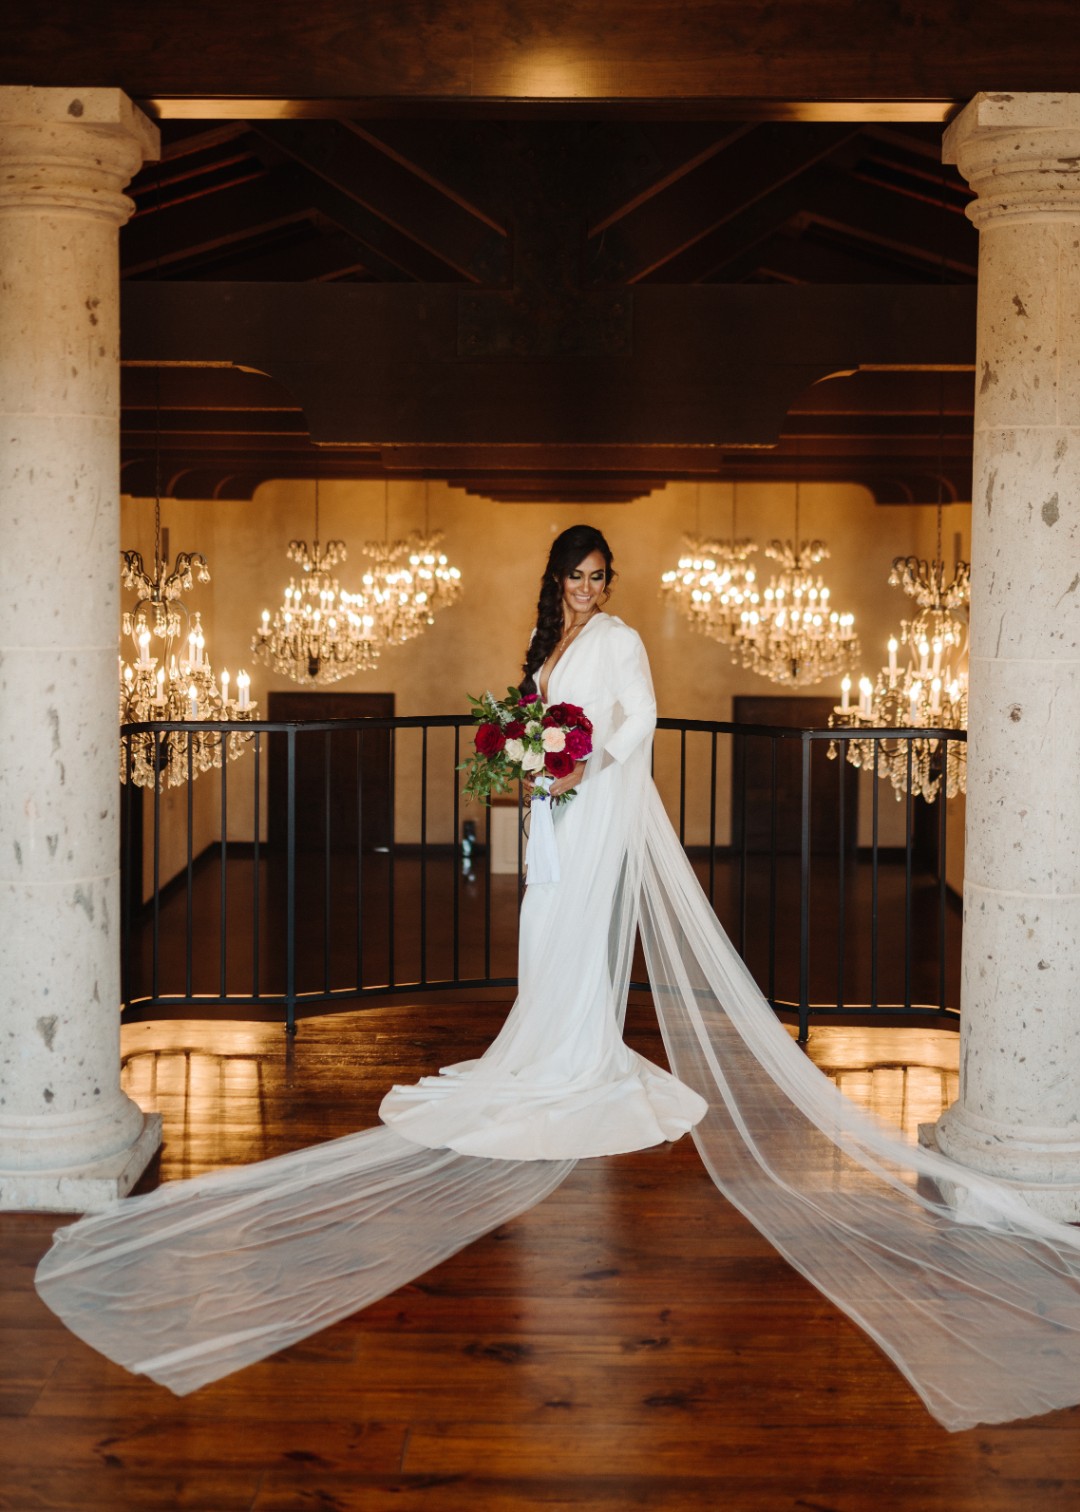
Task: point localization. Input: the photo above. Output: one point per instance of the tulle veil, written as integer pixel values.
(973, 1296)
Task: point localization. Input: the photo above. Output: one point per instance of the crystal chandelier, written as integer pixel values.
(929, 692)
(321, 632)
(713, 584)
(794, 636)
(408, 581)
(438, 584)
(177, 684)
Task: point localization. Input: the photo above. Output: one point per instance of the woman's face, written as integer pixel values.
(584, 587)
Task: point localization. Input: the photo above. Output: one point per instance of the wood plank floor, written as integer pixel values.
(630, 1343)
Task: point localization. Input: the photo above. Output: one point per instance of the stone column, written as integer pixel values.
(70, 1139)
(1018, 1114)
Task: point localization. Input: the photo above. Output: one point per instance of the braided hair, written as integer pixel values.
(567, 552)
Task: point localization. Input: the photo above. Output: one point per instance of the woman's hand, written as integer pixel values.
(564, 784)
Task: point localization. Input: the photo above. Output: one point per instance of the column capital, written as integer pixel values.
(1021, 155)
(72, 149)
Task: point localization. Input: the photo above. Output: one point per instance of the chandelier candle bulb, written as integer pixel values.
(924, 659)
(866, 687)
(937, 658)
(935, 696)
(193, 702)
(243, 685)
(225, 689)
(845, 693)
(159, 697)
(893, 648)
(144, 649)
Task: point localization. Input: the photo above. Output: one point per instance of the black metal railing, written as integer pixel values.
(335, 862)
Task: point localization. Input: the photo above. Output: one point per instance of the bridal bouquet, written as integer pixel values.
(520, 740)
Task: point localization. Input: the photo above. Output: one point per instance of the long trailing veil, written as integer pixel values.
(973, 1295)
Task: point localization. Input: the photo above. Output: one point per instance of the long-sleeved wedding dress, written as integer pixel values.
(975, 1297)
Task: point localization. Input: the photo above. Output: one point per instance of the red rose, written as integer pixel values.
(569, 716)
(513, 729)
(578, 744)
(559, 763)
(489, 740)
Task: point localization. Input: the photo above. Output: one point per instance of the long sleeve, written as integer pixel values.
(635, 697)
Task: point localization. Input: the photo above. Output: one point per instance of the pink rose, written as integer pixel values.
(578, 744)
(553, 740)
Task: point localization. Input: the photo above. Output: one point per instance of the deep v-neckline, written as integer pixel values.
(544, 691)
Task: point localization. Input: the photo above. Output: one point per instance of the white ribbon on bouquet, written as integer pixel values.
(542, 858)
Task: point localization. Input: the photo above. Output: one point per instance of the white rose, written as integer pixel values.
(514, 751)
(533, 761)
(533, 728)
(554, 740)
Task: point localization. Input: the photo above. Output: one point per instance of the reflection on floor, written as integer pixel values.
(236, 1092)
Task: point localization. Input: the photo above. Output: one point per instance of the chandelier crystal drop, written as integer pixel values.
(170, 680)
(928, 692)
(794, 636)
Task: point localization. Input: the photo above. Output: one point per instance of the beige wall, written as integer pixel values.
(501, 550)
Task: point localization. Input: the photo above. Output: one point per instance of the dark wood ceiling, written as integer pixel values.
(563, 251)
(550, 211)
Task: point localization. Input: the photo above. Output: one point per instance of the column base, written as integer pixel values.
(82, 1189)
(1046, 1174)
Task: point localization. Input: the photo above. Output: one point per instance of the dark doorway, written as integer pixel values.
(338, 772)
(752, 780)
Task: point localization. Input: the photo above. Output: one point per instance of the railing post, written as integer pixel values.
(290, 884)
(804, 895)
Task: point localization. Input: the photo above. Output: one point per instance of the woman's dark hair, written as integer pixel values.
(567, 552)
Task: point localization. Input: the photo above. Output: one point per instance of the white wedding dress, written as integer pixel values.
(973, 1296)
(559, 1082)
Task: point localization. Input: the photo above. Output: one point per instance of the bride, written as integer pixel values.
(559, 1082)
(973, 1295)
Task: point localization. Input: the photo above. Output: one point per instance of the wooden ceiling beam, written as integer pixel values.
(161, 239)
(882, 393)
(189, 388)
(303, 254)
(203, 427)
(649, 158)
(352, 165)
(384, 248)
(329, 56)
(721, 189)
(718, 365)
(892, 481)
(928, 233)
(735, 240)
(797, 258)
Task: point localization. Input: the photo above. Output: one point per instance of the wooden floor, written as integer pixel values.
(630, 1343)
